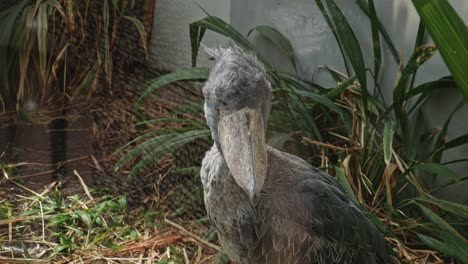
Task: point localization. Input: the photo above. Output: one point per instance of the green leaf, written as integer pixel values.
(112, 246)
(343, 180)
(335, 74)
(157, 133)
(280, 40)
(451, 207)
(168, 147)
(5, 211)
(456, 245)
(10, 29)
(321, 99)
(85, 217)
(190, 108)
(437, 244)
(301, 114)
(146, 146)
(115, 4)
(350, 43)
(375, 39)
(141, 31)
(99, 238)
(191, 74)
(365, 9)
(196, 36)
(74, 229)
(58, 219)
(450, 34)
(24, 115)
(42, 29)
(216, 24)
(31, 212)
(13, 10)
(59, 249)
(330, 25)
(419, 42)
(427, 88)
(438, 221)
(335, 92)
(420, 38)
(461, 140)
(418, 58)
(439, 169)
(454, 161)
(107, 55)
(389, 132)
(416, 135)
(441, 138)
(87, 81)
(123, 201)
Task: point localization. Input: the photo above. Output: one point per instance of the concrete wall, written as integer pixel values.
(170, 42)
(314, 44)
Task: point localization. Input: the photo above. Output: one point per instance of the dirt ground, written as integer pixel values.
(39, 158)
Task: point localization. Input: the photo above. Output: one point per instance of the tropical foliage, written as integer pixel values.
(61, 47)
(381, 153)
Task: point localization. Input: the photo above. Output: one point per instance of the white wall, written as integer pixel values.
(314, 44)
(170, 41)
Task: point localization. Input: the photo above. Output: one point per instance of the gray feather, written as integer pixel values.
(302, 215)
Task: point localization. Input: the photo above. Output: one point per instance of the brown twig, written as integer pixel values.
(23, 218)
(161, 241)
(23, 260)
(85, 187)
(190, 234)
(315, 142)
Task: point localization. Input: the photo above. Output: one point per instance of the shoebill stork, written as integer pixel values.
(266, 205)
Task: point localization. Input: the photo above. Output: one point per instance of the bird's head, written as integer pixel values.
(237, 104)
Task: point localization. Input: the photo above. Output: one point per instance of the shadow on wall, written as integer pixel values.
(314, 44)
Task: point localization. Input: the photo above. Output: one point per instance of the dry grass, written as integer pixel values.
(32, 238)
(161, 240)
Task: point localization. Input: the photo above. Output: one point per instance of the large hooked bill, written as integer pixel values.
(242, 139)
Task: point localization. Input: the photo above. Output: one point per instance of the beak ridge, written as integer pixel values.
(242, 140)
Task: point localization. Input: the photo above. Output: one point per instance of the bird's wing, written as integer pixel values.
(310, 212)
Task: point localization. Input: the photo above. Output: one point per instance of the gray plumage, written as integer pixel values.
(268, 206)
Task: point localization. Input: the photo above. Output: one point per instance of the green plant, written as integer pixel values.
(51, 47)
(79, 226)
(450, 34)
(5, 211)
(176, 257)
(382, 154)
